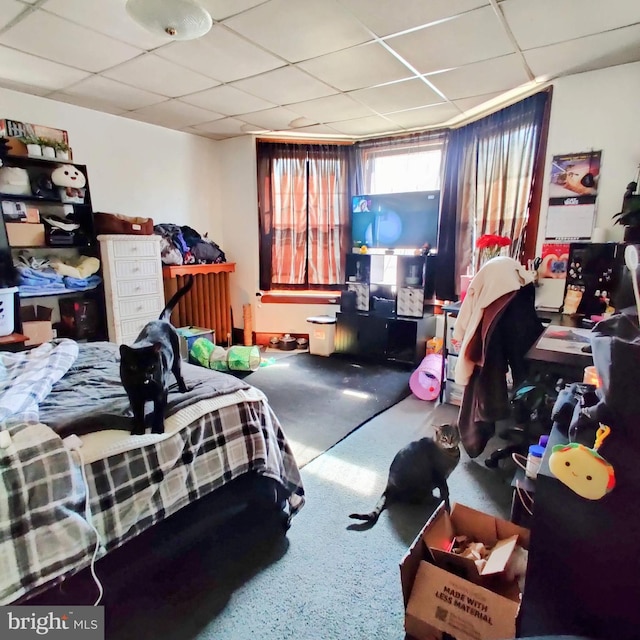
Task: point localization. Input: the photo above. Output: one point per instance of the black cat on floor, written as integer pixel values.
(419, 468)
(146, 365)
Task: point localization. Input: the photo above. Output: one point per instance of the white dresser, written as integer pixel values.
(133, 287)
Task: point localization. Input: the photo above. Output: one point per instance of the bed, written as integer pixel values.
(221, 431)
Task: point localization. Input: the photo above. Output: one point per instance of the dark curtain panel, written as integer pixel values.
(445, 279)
(488, 176)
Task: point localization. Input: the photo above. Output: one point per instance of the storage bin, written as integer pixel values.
(321, 335)
(7, 311)
(188, 335)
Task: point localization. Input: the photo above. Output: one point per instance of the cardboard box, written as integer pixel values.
(446, 592)
(36, 324)
(22, 234)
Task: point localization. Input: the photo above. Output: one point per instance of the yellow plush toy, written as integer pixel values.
(583, 469)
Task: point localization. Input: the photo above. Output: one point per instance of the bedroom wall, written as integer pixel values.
(595, 110)
(135, 168)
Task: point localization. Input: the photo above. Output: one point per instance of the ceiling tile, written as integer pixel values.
(24, 69)
(542, 22)
(108, 17)
(298, 30)
(284, 86)
(49, 36)
(173, 114)
(425, 116)
(465, 104)
(365, 126)
(224, 127)
(337, 107)
(322, 129)
(398, 96)
(499, 74)
(357, 67)
(87, 102)
(385, 17)
(476, 35)
(220, 9)
(105, 94)
(160, 76)
(586, 54)
(222, 55)
(227, 100)
(275, 119)
(10, 9)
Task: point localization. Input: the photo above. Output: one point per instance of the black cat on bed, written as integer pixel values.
(146, 365)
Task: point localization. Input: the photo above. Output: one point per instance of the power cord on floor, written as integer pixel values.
(74, 443)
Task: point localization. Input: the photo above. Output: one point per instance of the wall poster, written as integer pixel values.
(572, 196)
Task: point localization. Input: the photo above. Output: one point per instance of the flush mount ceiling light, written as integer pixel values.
(179, 19)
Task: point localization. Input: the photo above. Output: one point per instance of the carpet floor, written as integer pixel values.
(320, 400)
(330, 578)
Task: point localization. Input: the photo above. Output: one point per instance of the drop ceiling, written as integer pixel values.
(324, 68)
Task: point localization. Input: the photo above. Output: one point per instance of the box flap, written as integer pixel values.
(28, 313)
(499, 556)
(478, 526)
(439, 530)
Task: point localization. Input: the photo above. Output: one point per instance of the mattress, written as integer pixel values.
(224, 429)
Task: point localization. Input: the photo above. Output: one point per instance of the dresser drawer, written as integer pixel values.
(147, 287)
(133, 248)
(148, 307)
(135, 269)
(133, 327)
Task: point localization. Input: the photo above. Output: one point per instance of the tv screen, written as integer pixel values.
(396, 220)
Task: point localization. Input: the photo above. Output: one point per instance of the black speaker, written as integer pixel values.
(348, 301)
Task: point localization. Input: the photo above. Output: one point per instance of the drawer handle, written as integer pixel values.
(138, 288)
(135, 269)
(140, 308)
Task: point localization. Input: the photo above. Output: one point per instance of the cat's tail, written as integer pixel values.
(373, 516)
(166, 312)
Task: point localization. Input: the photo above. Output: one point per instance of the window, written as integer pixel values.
(398, 165)
(406, 171)
(303, 202)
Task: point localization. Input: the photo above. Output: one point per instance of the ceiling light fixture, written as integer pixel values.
(178, 19)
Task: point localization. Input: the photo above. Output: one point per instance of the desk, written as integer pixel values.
(563, 364)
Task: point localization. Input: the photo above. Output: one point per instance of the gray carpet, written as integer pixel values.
(320, 400)
(327, 580)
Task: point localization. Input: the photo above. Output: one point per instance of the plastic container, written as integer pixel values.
(321, 335)
(426, 380)
(534, 460)
(7, 311)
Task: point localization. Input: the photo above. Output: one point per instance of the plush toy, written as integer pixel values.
(583, 469)
(14, 181)
(70, 182)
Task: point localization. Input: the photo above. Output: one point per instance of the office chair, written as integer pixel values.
(532, 403)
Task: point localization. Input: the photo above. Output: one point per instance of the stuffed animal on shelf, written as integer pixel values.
(71, 183)
(14, 181)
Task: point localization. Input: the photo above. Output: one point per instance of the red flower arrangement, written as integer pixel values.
(492, 241)
(490, 245)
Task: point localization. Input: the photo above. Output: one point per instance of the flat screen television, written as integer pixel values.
(396, 220)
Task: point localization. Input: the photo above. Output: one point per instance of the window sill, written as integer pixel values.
(300, 297)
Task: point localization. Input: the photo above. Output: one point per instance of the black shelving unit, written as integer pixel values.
(81, 213)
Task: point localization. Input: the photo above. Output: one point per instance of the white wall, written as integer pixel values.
(597, 110)
(134, 168)
(239, 213)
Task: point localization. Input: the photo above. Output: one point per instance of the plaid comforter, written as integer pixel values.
(133, 482)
